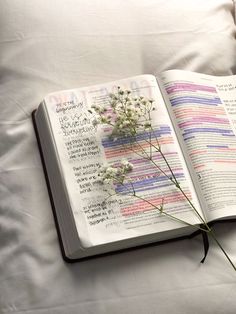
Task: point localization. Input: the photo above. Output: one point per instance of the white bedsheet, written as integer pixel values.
(51, 45)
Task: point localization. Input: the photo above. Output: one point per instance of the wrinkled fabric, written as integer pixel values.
(51, 45)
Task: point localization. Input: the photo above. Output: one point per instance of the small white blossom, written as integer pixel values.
(127, 115)
(107, 181)
(115, 174)
(96, 121)
(111, 171)
(128, 166)
(147, 125)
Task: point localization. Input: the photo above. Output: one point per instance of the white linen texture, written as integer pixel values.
(52, 45)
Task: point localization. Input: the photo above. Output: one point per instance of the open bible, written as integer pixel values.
(195, 124)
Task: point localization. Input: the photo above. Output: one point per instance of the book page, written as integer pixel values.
(204, 109)
(82, 149)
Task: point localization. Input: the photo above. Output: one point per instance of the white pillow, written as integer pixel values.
(57, 44)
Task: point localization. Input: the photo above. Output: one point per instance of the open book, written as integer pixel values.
(195, 122)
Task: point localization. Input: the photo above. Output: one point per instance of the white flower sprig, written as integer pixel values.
(126, 115)
(115, 174)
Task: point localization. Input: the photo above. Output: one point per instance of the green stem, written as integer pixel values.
(176, 183)
(134, 194)
(222, 249)
(168, 215)
(172, 178)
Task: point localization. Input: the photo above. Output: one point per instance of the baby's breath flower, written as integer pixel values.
(107, 181)
(128, 166)
(115, 174)
(147, 124)
(104, 119)
(126, 123)
(127, 115)
(131, 116)
(96, 108)
(99, 109)
(111, 171)
(96, 121)
(113, 104)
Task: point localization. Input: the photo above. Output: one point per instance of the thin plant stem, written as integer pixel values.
(212, 234)
(160, 209)
(176, 183)
(145, 111)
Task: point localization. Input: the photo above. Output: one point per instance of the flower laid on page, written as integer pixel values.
(129, 119)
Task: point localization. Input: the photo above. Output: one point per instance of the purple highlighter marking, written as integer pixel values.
(163, 130)
(195, 100)
(188, 138)
(228, 134)
(124, 191)
(208, 130)
(217, 146)
(148, 184)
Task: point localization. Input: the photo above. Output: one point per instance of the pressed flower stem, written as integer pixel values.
(161, 211)
(222, 249)
(168, 215)
(133, 125)
(208, 230)
(176, 183)
(172, 179)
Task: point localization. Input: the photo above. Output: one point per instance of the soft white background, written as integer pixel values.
(57, 44)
